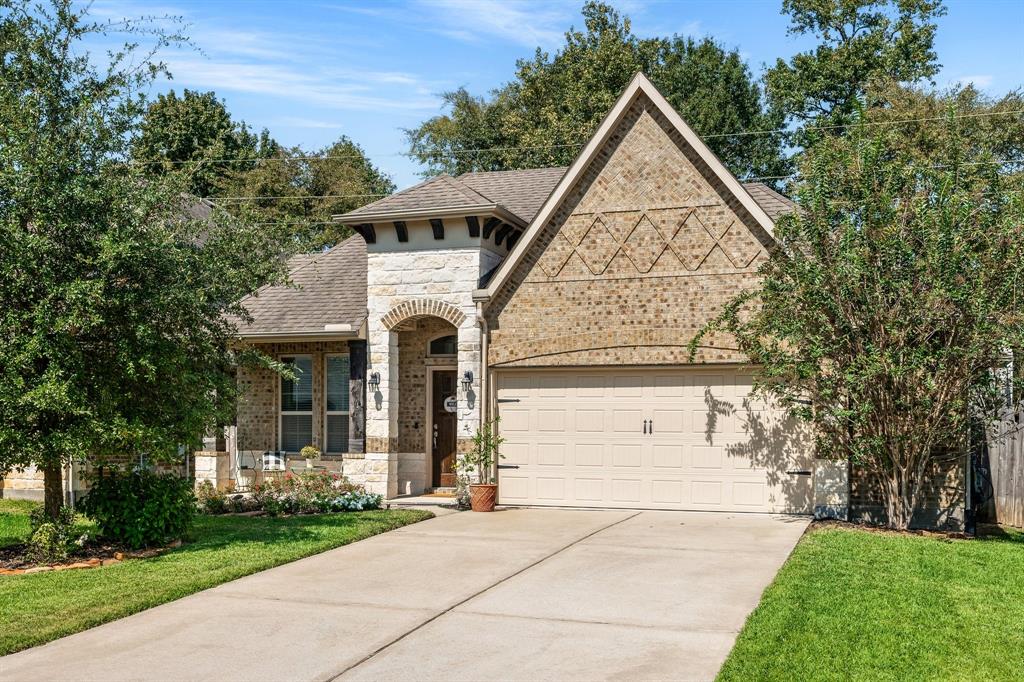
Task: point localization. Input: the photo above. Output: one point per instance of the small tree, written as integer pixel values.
(891, 297)
(114, 333)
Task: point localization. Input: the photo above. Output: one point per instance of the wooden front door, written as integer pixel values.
(442, 435)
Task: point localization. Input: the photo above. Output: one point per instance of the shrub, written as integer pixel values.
(51, 541)
(312, 492)
(210, 499)
(140, 508)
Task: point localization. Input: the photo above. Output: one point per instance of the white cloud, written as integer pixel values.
(299, 122)
(311, 86)
(528, 24)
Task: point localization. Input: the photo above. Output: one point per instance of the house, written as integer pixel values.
(562, 301)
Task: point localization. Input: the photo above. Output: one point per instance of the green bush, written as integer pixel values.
(140, 508)
(51, 541)
(312, 492)
(211, 500)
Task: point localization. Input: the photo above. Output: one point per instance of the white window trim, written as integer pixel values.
(332, 413)
(441, 336)
(281, 413)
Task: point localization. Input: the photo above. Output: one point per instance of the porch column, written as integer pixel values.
(469, 401)
(381, 461)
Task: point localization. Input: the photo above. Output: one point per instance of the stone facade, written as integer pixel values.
(643, 251)
(413, 295)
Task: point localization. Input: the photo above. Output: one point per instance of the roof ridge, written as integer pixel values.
(466, 191)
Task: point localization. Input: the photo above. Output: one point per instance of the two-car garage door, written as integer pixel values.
(660, 439)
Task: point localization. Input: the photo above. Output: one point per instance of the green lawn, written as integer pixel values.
(14, 521)
(856, 605)
(40, 607)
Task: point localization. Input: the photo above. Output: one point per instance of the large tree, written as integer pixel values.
(194, 129)
(891, 298)
(300, 190)
(113, 326)
(544, 115)
(862, 43)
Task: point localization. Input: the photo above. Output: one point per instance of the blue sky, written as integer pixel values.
(312, 71)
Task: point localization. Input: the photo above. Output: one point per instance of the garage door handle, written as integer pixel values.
(508, 400)
(799, 472)
(508, 466)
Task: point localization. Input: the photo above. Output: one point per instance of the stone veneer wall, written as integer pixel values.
(396, 277)
(642, 253)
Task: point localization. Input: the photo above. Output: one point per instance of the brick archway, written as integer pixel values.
(422, 307)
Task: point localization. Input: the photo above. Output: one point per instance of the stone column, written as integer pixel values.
(469, 401)
(381, 461)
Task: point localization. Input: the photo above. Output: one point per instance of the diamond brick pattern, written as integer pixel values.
(598, 247)
(692, 242)
(555, 256)
(739, 245)
(644, 245)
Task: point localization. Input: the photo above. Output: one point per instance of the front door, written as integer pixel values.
(443, 410)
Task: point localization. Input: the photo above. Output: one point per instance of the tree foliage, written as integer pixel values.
(194, 129)
(862, 43)
(113, 327)
(195, 137)
(552, 106)
(891, 297)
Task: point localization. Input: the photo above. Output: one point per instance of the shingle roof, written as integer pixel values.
(521, 192)
(441, 193)
(773, 203)
(332, 291)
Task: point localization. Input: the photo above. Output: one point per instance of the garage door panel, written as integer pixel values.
(589, 454)
(590, 421)
(627, 421)
(577, 438)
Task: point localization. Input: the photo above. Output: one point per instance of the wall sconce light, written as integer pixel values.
(374, 380)
(467, 381)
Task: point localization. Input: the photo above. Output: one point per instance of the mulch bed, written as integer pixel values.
(13, 560)
(937, 534)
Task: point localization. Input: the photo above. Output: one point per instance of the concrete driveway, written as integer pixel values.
(517, 594)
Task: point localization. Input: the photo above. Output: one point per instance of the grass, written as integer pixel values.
(14, 521)
(857, 605)
(41, 607)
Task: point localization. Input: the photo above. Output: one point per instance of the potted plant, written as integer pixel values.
(480, 462)
(309, 453)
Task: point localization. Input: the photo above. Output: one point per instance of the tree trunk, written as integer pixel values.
(53, 489)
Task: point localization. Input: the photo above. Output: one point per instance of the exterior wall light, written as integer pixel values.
(374, 380)
(467, 381)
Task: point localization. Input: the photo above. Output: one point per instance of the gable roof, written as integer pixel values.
(332, 294)
(639, 86)
(521, 191)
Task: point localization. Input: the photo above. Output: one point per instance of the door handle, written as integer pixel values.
(799, 472)
(645, 426)
(650, 427)
(508, 466)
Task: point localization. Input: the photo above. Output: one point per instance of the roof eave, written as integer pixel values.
(427, 213)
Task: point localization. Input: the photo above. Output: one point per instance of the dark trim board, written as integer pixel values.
(473, 223)
(437, 225)
(401, 231)
(489, 226)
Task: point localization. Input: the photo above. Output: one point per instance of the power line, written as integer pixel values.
(456, 152)
(749, 179)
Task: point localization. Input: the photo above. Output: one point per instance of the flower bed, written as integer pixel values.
(312, 492)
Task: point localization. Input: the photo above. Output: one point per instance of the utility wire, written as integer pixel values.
(751, 179)
(456, 152)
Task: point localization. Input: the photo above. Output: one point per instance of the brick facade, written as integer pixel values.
(640, 255)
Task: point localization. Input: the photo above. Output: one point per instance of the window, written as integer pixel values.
(297, 404)
(444, 345)
(336, 408)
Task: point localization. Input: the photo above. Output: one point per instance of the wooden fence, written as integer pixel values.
(1006, 469)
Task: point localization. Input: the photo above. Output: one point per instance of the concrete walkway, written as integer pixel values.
(517, 594)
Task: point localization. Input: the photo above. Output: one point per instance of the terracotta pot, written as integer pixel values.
(482, 496)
